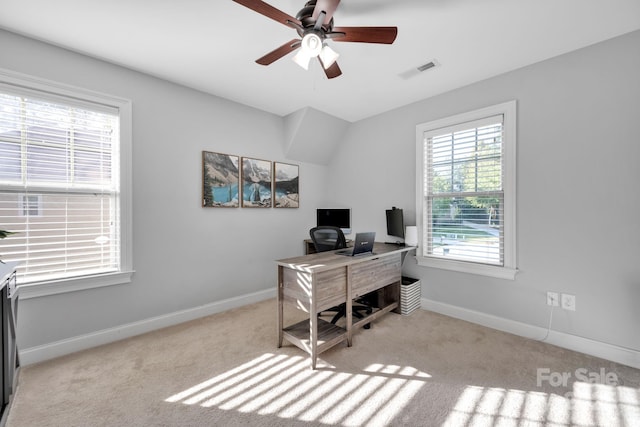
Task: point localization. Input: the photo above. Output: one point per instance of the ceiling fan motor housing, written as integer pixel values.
(305, 16)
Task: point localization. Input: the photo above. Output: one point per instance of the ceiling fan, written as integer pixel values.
(314, 24)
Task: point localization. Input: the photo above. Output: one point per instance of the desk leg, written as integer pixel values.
(349, 313)
(280, 305)
(313, 324)
(313, 334)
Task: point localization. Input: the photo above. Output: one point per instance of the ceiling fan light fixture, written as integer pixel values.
(328, 56)
(311, 45)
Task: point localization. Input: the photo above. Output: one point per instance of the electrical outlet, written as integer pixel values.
(569, 302)
(552, 299)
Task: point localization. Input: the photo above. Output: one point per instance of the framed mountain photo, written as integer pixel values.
(220, 180)
(285, 185)
(256, 183)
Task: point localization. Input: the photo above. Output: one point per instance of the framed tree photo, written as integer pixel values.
(285, 185)
(256, 183)
(220, 180)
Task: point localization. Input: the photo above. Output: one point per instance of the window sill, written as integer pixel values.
(468, 267)
(54, 287)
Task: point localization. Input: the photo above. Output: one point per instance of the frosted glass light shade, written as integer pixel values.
(411, 236)
(302, 59)
(328, 56)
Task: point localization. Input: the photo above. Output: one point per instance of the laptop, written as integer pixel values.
(363, 245)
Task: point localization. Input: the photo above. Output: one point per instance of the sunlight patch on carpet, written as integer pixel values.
(587, 405)
(285, 386)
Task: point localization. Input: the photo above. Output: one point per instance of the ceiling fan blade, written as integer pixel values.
(278, 53)
(384, 35)
(333, 71)
(326, 6)
(268, 11)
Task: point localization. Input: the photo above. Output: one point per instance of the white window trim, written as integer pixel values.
(509, 270)
(126, 216)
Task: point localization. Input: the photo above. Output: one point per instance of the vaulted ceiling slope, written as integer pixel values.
(212, 45)
(312, 136)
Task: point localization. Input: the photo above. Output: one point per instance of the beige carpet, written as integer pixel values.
(419, 370)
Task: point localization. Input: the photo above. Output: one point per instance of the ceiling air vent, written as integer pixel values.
(416, 71)
(426, 66)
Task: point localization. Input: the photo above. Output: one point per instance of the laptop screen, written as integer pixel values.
(363, 244)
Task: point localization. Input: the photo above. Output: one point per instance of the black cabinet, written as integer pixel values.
(9, 351)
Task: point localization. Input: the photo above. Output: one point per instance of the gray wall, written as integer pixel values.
(184, 255)
(577, 194)
(578, 201)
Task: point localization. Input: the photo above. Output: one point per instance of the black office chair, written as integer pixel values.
(328, 238)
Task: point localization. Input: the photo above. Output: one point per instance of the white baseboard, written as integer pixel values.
(588, 346)
(48, 351)
(606, 351)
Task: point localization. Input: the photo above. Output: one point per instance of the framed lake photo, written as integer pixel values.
(256, 183)
(220, 180)
(285, 188)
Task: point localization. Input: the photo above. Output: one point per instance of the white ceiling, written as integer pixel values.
(211, 45)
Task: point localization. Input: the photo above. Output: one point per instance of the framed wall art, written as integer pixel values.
(256, 183)
(285, 185)
(220, 180)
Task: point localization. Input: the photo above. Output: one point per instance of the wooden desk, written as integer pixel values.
(316, 282)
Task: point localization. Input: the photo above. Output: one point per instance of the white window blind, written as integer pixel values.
(59, 186)
(464, 193)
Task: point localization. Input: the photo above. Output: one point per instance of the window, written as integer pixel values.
(466, 192)
(30, 205)
(64, 185)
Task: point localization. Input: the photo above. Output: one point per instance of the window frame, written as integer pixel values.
(509, 269)
(51, 90)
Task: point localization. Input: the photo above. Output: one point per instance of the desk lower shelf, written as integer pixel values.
(357, 323)
(328, 335)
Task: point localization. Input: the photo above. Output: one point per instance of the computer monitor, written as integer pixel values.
(395, 224)
(340, 217)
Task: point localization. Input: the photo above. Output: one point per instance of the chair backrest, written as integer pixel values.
(327, 238)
